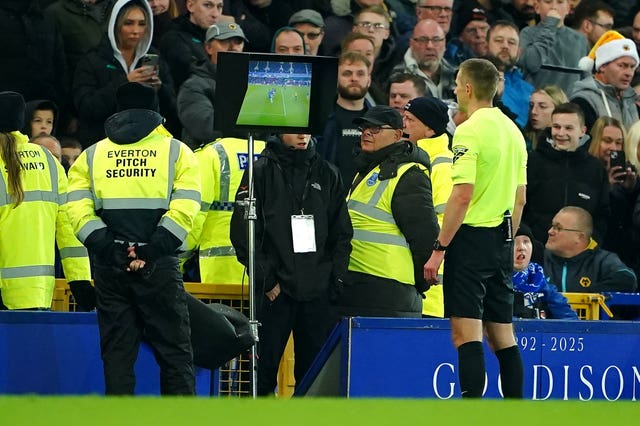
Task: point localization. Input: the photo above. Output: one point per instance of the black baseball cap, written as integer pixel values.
(381, 115)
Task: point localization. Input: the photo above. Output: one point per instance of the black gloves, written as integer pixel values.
(84, 293)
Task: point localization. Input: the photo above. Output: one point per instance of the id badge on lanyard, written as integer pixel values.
(304, 233)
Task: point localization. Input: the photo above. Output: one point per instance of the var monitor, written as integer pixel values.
(274, 93)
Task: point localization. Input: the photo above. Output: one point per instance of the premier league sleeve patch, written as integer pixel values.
(373, 179)
(459, 151)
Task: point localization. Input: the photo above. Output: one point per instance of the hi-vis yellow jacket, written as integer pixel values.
(222, 164)
(29, 232)
(137, 191)
(378, 246)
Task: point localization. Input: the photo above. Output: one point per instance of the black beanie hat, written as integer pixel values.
(525, 230)
(11, 111)
(136, 96)
(430, 111)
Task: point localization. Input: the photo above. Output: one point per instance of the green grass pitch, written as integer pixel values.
(97, 410)
(287, 109)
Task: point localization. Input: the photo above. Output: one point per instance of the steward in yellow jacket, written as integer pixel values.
(132, 200)
(33, 217)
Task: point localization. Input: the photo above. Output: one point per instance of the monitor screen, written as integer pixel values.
(274, 93)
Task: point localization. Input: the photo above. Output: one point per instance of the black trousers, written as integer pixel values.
(132, 303)
(311, 325)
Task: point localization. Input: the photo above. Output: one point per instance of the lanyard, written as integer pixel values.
(305, 192)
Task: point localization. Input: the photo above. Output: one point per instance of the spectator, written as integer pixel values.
(425, 122)
(340, 140)
(270, 15)
(116, 61)
(561, 173)
(311, 25)
(522, 12)
(607, 136)
(164, 12)
(288, 41)
(394, 223)
(608, 91)
(40, 118)
(575, 262)
(471, 37)
(593, 18)
(134, 249)
(551, 51)
(71, 150)
(364, 44)
(403, 87)
(197, 95)
(534, 297)
(541, 105)
(183, 46)
(50, 143)
(425, 57)
(436, 10)
(303, 233)
(504, 45)
(31, 226)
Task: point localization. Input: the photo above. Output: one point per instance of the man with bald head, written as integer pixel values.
(425, 58)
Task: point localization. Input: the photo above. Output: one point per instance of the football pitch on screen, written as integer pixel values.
(287, 107)
(98, 410)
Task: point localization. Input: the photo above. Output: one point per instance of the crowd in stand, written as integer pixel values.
(67, 58)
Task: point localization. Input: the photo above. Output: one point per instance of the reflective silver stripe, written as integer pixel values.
(225, 172)
(440, 208)
(186, 194)
(89, 227)
(377, 194)
(173, 227)
(441, 160)
(135, 203)
(376, 237)
(218, 251)
(27, 271)
(204, 206)
(91, 151)
(222, 206)
(4, 194)
(41, 196)
(53, 173)
(79, 194)
(174, 154)
(68, 252)
(371, 211)
(62, 198)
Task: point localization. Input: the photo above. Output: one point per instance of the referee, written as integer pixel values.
(489, 182)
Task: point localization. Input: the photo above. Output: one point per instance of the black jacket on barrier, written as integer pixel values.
(281, 175)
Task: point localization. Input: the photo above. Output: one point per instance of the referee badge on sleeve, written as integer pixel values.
(459, 151)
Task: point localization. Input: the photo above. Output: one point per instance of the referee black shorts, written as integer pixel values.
(477, 275)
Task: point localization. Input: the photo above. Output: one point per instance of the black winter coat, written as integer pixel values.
(281, 175)
(557, 179)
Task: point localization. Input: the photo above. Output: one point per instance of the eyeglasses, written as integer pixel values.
(426, 40)
(603, 26)
(312, 36)
(437, 9)
(374, 130)
(559, 228)
(370, 25)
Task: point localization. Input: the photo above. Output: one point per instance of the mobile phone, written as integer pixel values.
(150, 59)
(617, 158)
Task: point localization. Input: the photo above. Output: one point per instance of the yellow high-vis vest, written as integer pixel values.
(29, 232)
(222, 164)
(378, 246)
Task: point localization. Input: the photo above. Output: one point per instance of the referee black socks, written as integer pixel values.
(471, 369)
(511, 372)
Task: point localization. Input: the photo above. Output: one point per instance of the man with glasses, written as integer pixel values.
(425, 58)
(593, 18)
(561, 172)
(393, 220)
(437, 10)
(311, 26)
(574, 263)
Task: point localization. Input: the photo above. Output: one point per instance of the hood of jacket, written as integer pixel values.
(131, 125)
(205, 69)
(145, 41)
(590, 84)
(39, 104)
(390, 157)
(287, 156)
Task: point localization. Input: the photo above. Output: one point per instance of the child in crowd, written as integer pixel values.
(40, 118)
